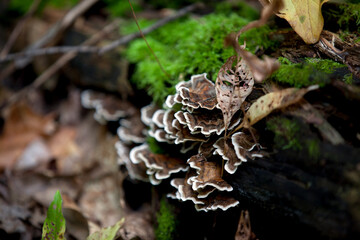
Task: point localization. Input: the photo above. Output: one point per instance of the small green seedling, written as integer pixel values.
(54, 225)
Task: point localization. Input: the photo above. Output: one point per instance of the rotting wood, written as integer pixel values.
(317, 194)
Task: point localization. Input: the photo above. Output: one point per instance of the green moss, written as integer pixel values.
(166, 221)
(286, 132)
(348, 78)
(313, 148)
(187, 47)
(22, 6)
(345, 15)
(154, 146)
(170, 4)
(311, 71)
(240, 8)
(324, 65)
(349, 13)
(118, 8)
(289, 135)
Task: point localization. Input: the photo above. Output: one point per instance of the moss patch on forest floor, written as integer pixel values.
(191, 46)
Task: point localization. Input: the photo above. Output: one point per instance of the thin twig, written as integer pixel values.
(182, 12)
(121, 41)
(59, 26)
(147, 44)
(62, 61)
(50, 51)
(19, 27)
(64, 23)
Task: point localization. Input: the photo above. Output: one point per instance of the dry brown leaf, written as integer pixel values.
(76, 223)
(12, 217)
(244, 228)
(22, 126)
(304, 17)
(138, 225)
(62, 143)
(232, 87)
(100, 201)
(264, 105)
(260, 68)
(267, 11)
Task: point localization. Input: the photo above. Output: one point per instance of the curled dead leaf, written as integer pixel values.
(264, 105)
(244, 228)
(304, 17)
(260, 68)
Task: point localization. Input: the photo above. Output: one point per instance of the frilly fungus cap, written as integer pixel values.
(198, 127)
(192, 120)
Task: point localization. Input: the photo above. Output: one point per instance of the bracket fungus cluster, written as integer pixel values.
(107, 107)
(130, 132)
(193, 123)
(193, 120)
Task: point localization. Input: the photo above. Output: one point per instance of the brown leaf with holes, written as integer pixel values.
(233, 85)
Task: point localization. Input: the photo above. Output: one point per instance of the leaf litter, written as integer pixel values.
(43, 157)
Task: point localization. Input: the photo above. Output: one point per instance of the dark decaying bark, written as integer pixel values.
(318, 196)
(292, 194)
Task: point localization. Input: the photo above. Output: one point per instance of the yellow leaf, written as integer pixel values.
(264, 105)
(305, 17)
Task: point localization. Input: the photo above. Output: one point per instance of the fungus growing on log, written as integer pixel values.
(159, 166)
(199, 129)
(198, 92)
(107, 107)
(131, 130)
(236, 150)
(136, 171)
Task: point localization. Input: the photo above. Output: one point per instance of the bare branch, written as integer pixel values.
(32, 52)
(19, 27)
(158, 24)
(147, 44)
(62, 61)
(49, 51)
(58, 27)
(64, 23)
